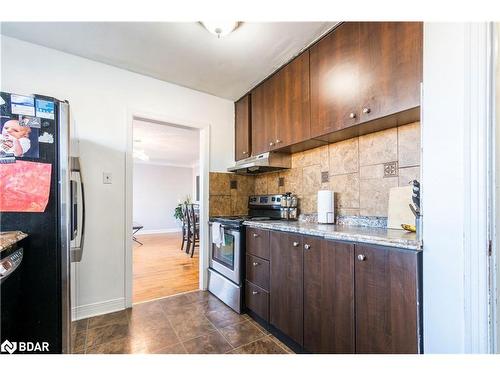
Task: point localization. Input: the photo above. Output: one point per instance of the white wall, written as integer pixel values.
(100, 96)
(157, 191)
(455, 139)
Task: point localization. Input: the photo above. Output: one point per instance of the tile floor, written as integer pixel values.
(190, 323)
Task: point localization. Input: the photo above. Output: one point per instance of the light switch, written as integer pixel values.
(106, 178)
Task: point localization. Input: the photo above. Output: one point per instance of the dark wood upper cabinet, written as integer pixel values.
(263, 116)
(364, 71)
(242, 133)
(292, 102)
(328, 296)
(286, 294)
(390, 61)
(334, 75)
(386, 300)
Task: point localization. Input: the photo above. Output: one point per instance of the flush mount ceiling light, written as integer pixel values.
(220, 29)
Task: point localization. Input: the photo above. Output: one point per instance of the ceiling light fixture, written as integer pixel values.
(220, 29)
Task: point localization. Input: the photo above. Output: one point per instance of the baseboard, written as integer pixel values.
(159, 231)
(98, 308)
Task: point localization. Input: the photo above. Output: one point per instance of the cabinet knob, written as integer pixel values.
(295, 244)
(255, 292)
(244, 152)
(255, 235)
(307, 246)
(278, 141)
(366, 110)
(271, 143)
(352, 115)
(255, 264)
(361, 257)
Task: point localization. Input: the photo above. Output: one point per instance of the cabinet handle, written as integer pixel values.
(255, 235)
(295, 244)
(255, 264)
(352, 115)
(361, 257)
(307, 246)
(254, 292)
(366, 110)
(271, 143)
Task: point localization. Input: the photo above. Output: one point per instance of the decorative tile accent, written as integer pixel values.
(233, 184)
(281, 181)
(325, 177)
(391, 169)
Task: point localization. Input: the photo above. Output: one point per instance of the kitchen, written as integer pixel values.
(330, 151)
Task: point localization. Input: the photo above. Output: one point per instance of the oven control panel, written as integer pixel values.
(264, 200)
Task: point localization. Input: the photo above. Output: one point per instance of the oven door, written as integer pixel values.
(226, 258)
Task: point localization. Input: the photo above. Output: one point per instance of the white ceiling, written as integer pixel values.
(166, 144)
(184, 53)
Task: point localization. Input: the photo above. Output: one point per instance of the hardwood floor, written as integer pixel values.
(161, 269)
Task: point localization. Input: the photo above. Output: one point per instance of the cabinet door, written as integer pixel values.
(263, 116)
(286, 297)
(328, 296)
(292, 102)
(335, 80)
(386, 300)
(390, 68)
(242, 128)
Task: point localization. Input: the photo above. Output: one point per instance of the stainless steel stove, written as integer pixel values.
(227, 261)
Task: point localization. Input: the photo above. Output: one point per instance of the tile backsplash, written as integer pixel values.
(360, 170)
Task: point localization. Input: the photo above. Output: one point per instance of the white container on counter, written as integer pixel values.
(326, 209)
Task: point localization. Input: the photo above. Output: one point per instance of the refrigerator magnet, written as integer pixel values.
(44, 109)
(22, 105)
(32, 122)
(18, 139)
(46, 138)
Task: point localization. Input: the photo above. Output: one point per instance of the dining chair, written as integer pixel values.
(185, 227)
(194, 227)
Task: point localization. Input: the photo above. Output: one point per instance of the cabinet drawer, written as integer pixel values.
(258, 271)
(258, 242)
(257, 300)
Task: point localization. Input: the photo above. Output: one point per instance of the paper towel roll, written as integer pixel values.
(326, 210)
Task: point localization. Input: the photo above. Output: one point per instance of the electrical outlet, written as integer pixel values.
(281, 181)
(107, 178)
(233, 184)
(324, 177)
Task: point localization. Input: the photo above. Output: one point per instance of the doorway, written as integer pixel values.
(166, 167)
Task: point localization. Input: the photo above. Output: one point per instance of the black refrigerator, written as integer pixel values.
(41, 195)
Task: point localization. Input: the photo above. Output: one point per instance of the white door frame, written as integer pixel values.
(204, 132)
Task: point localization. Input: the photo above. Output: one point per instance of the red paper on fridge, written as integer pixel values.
(24, 186)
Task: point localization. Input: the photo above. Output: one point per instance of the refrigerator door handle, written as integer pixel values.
(78, 217)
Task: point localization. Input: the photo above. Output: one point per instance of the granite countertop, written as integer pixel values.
(376, 236)
(8, 239)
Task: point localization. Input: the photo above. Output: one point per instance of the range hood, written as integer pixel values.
(266, 162)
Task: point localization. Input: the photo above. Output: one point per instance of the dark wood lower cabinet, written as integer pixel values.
(286, 294)
(336, 297)
(329, 297)
(386, 282)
